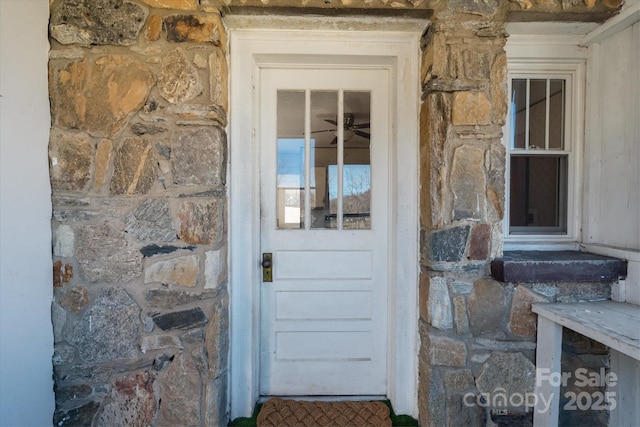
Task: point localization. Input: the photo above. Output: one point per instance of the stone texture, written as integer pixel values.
(153, 250)
(132, 402)
(445, 351)
(134, 168)
(108, 330)
(496, 183)
(200, 221)
(173, 4)
(195, 29)
(186, 319)
(486, 8)
(63, 354)
(72, 395)
(461, 414)
(215, 268)
(486, 306)
(522, 321)
(215, 412)
(471, 108)
(217, 338)
(97, 97)
(82, 416)
(64, 242)
(167, 298)
(75, 298)
(58, 320)
(193, 337)
(499, 89)
(157, 342)
(179, 387)
(179, 80)
(434, 127)
(181, 271)
(439, 304)
(218, 81)
(479, 242)
(198, 115)
(468, 183)
(460, 315)
(511, 372)
(151, 221)
(104, 255)
(476, 63)
(448, 245)
(459, 380)
(103, 157)
(154, 28)
(198, 156)
(96, 22)
(69, 161)
(484, 344)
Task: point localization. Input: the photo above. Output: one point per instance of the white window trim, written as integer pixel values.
(551, 57)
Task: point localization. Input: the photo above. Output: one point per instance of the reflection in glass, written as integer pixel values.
(519, 112)
(324, 149)
(556, 114)
(339, 171)
(537, 114)
(537, 192)
(356, 173)
(290, 160)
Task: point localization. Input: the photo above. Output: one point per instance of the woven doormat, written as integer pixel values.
(277, 412)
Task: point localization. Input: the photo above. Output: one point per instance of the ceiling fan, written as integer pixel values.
(350, 128)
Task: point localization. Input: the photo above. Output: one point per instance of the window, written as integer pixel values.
(542, 140)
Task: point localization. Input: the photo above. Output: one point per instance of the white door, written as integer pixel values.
(324, 155)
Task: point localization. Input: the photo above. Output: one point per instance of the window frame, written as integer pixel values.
(572, 70)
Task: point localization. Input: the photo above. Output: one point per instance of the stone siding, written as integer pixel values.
(138, 166)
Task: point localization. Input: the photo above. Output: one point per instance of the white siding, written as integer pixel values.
(612, 152)
(26, 337)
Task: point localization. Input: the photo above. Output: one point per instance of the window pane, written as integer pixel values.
(556, 114)
(290, 163)
(538, 193)
(356, 174)
(324, 152)
(518, 112)
(537, 114)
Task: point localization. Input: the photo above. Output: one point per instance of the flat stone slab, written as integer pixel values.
(557, 266)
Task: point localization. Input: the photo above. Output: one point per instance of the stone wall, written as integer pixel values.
(138, 164)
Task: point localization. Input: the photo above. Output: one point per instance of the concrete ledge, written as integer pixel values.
(557, 266)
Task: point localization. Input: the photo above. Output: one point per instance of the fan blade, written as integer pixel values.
(324, 130)
(361, 126)
(335, 141)
(362, 134)
(333, 122)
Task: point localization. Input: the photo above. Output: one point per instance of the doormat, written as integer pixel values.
(277, 412)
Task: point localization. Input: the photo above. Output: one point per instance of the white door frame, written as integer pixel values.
(252, 49)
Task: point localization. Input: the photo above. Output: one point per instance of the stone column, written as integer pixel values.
(138, 160)
(462, 163)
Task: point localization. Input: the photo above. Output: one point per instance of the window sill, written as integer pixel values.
(557, 266)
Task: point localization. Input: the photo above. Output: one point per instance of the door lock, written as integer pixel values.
(267, 267)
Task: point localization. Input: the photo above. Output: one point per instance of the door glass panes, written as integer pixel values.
(323, 159)
(356, 172)
(324, 146)
(537, 114)
(290, 181)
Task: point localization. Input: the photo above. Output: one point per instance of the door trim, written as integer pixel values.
(251, 50)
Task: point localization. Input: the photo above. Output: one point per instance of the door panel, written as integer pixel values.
(324, 217)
